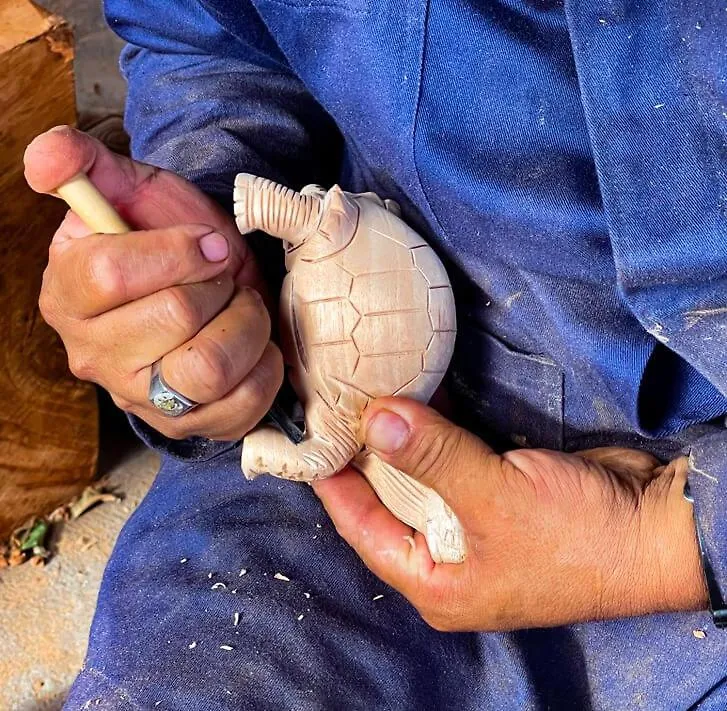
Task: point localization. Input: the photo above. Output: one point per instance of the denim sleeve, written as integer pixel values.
(206, 105)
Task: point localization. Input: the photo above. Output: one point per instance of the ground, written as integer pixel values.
(45, 613)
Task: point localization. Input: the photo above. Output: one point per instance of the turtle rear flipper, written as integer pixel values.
(417, 506)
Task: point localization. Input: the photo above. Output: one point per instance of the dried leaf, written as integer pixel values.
(16, 558)
(37, 561)
(88, 499)
(60, 514)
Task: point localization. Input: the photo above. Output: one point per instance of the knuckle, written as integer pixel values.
(255, 301)
(437, 620)
(459, 605)
(181, 311)
(266, 377)
(251, 310)
(170, 427)
(213, 368)
(436, 449)
(103, 276)
(443, 614)
(122, 403)
(81, 364)
(274, 365)
(256, 389)
(48, 303)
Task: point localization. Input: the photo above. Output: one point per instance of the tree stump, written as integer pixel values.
(48, 419)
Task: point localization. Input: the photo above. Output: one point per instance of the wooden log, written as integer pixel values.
(48, 419)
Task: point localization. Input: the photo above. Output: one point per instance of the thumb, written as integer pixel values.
(57, 155)
(429, 448)
(147, 197)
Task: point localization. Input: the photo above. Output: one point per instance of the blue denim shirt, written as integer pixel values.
(568, 161)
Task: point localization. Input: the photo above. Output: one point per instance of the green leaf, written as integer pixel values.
(35, 536)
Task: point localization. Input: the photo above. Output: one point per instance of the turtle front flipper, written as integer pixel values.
(328, 446)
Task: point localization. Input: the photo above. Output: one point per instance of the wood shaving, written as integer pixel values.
(242, 572)
(236, 619)
(218, 586)
(377, 597)
(699, 634)
(307, 595)
(184, 560)
(226, 647)
(280, 576)
(300, 617)
(88, 543)
(192, 645)
(16, 558)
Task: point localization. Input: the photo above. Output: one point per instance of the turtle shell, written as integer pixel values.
(393, 326)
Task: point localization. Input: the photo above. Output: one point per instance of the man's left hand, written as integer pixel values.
(552, 538)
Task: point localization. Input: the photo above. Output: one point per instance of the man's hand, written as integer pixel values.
(552, 538)
(184, 289)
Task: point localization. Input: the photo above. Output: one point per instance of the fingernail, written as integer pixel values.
(387, 432)
(214, 247)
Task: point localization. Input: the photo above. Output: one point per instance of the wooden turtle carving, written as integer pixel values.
(366, 311)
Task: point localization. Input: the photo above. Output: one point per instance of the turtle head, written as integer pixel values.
(337, 222)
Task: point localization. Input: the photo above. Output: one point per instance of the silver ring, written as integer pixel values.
(167, 400)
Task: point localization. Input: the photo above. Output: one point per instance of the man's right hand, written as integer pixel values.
(184, 289)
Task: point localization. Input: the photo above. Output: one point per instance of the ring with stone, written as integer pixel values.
(167, 400)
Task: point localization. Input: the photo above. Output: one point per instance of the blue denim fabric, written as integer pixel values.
(348, 651)
(567, 161)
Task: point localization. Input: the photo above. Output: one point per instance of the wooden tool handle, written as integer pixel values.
(85, 199)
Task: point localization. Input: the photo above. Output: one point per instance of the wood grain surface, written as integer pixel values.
(48, 419)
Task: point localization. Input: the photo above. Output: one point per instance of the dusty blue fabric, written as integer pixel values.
(567, 161)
